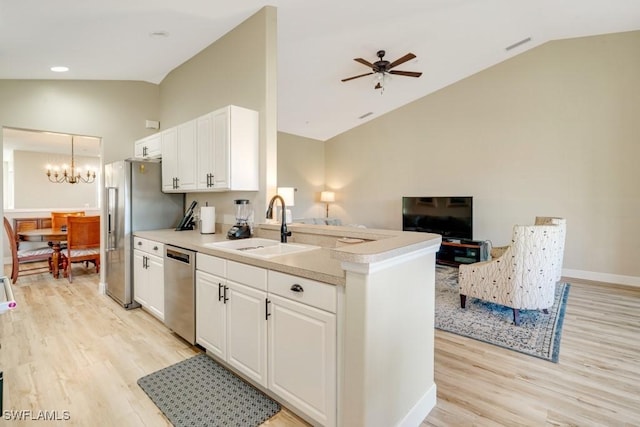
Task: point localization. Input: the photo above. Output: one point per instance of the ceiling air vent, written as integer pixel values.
(520, 43)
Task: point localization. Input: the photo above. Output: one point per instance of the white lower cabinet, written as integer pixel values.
(302, 357)
(278, 330)
(247, 331)
(211, 314)
(230, 316)
(302, 345)
(148, 275)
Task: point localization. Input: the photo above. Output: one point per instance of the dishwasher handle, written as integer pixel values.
(178, 255)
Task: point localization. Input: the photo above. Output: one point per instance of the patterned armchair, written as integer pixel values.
(524, 276)
(497, 251)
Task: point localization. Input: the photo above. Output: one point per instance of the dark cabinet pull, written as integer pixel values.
(219, 291)
(155, 248)
(225, 299)
(139, 243)
(266, 309)
(297, 288)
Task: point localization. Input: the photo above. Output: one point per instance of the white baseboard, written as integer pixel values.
(102, 288)
(421, 409)
(602, 277)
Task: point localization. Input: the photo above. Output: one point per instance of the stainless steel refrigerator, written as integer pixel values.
(134, 202)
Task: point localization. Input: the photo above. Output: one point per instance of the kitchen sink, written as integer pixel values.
(261, 248)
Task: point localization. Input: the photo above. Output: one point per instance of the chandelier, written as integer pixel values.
(72, 175)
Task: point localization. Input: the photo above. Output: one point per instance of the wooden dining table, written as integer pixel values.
(53, 236)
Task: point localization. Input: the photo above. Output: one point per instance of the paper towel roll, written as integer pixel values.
(207, 219)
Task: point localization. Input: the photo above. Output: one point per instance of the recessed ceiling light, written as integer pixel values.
(60, 69)
(158, 34)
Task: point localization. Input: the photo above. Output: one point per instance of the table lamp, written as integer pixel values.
(327, 197)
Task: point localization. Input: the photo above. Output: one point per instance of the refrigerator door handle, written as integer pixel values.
(112, 202)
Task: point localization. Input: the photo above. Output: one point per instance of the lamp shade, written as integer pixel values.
(287, 193)
(327, 196)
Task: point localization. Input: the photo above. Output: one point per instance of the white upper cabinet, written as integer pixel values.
(227, 153)
(218, 151)
(149, 147)
(178, 158)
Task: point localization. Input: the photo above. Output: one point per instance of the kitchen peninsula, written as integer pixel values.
(375, 287)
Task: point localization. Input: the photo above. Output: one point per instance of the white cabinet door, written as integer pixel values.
(221, 146)
(155, 285)
(247, 331)
(140, 282)
(205, 169)
(148, 276)
(211, 323)
(169, 140)
(302, 357)
(213, 151)
(186, 147)
(149, 147)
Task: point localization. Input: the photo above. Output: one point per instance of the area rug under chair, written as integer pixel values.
(200, 392)
(538, 335)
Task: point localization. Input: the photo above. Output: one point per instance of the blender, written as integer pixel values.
(242, 229)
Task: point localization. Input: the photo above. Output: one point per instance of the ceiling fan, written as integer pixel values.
(383, 67)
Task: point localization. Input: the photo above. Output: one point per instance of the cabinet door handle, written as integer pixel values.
(212, 180)
(219, 291)
(266, 309)
(297, 288)
(144, 151)
(225, 299)
(139, 243)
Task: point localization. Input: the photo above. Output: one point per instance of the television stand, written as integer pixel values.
(461, 251)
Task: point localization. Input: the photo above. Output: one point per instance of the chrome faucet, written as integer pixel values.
(283, 228)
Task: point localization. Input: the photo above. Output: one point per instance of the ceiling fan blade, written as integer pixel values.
(355, 77)
(402, 60)
(363, 62)
(406, 73)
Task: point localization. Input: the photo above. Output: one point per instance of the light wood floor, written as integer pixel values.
(67, 348)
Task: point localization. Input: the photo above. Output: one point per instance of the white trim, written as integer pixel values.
(102, 288)
(602, 277)
(421, 409)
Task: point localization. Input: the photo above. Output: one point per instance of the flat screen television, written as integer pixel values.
(452, 217)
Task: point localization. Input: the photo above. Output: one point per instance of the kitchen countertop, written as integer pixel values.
(323, 264)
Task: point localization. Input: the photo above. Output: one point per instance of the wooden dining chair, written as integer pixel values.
(59, 219)
(26, 256)
(83, 243)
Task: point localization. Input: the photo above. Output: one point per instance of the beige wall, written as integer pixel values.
(301, 165)
(238, 69)
(113, 110)
(553, 131)
(34, 191)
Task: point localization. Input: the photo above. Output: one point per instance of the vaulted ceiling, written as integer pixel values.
(317, 42)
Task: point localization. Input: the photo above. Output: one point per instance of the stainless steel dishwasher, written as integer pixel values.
(179, 291)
